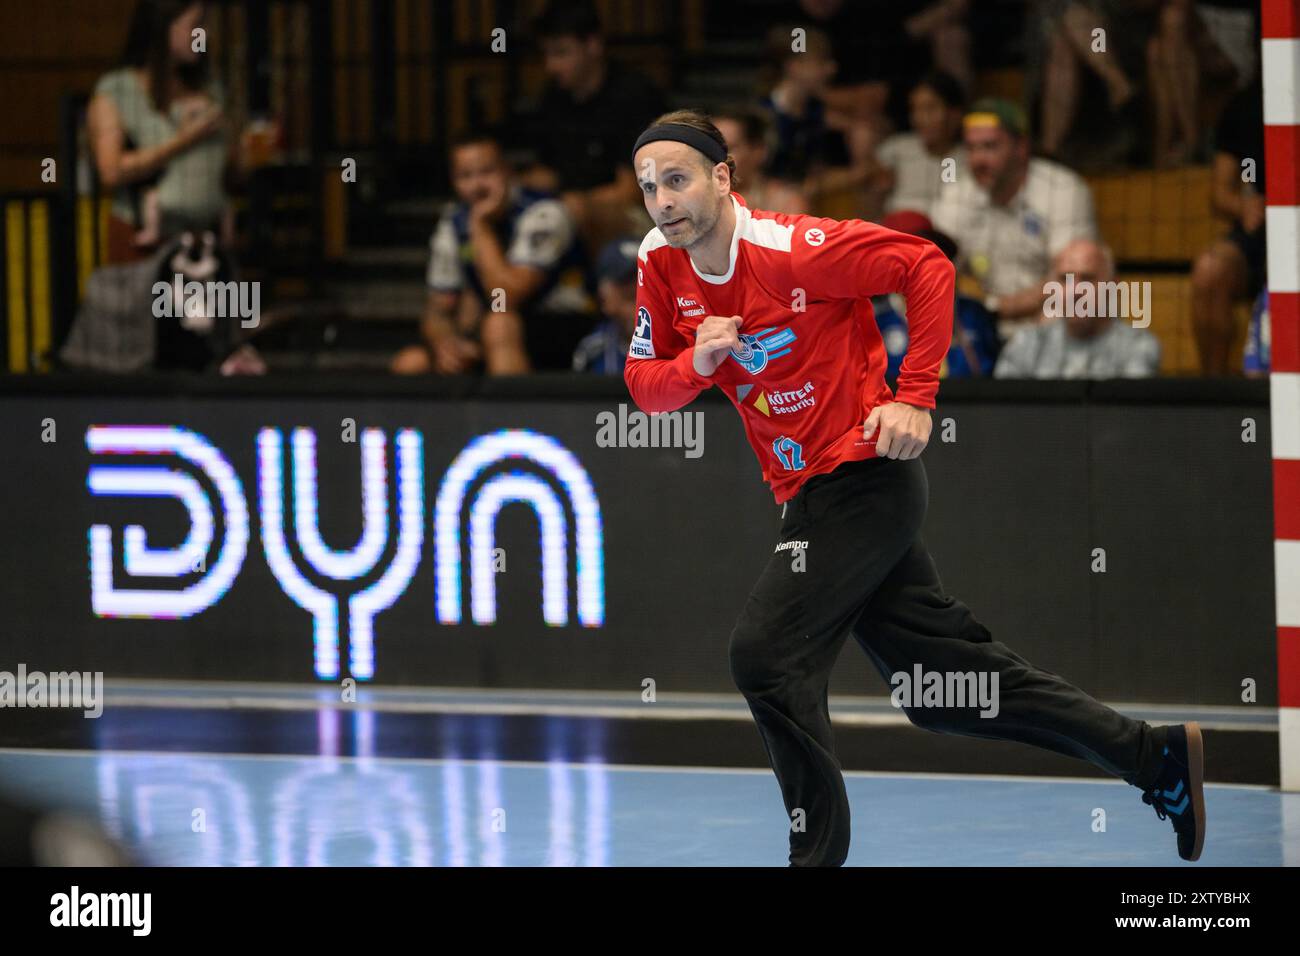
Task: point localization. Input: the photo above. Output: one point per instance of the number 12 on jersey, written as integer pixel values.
(789, 453)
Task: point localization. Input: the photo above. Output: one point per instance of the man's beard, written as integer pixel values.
(697, 228)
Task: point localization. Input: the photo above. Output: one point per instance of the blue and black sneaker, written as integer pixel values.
(1177, 794)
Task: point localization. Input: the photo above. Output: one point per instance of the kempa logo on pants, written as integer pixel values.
(134, 910)
(59, 689)
(946, 689)
(656, 430)
(787, 545)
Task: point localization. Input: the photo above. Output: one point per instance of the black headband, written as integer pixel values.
(681, 133)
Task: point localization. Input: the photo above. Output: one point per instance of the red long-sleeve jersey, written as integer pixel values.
(811, 364)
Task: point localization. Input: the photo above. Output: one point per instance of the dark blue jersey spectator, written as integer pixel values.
(975, 344)
(974, 349)
(1259, 340)
(534, 230)
(604, 351)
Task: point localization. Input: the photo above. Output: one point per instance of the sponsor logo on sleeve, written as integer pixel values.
(814, 237)
(643, 346)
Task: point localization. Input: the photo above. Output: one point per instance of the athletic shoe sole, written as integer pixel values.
(1196, 767)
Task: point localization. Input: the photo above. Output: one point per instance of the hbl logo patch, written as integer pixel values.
(643, 345)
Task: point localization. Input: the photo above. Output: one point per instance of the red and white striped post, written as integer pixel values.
(1280, 22)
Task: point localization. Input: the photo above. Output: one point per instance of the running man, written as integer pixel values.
(774, 309)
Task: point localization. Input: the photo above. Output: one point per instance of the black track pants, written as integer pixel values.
(865, 570)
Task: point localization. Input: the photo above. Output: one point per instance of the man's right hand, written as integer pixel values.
(715, 337)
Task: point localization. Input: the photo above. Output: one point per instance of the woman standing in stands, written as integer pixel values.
(158, 133)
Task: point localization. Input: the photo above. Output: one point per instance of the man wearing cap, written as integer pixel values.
(604, 350)
(774, 309)
(1011, 214)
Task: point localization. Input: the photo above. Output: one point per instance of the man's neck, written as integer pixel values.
(712, 254)
(1003, 195)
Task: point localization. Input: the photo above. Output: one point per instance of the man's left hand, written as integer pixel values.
(489, 207)
(903, 430)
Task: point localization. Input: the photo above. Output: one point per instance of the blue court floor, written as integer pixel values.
(239, 810)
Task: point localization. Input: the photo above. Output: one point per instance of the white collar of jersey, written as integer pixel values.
(742, 222)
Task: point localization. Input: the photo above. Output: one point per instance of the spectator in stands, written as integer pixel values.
(604, 350)
(159, 136)
(582, 130)
(942, 23)
(746, 132)
(974, 347)
(1232, 268)
(1186, 69)
(867, 62)
(826, 151)
(796, 72)
(1081, 343)
(1012, 214)
(882, 47)
(504, 275)
(911, 173)
(1257, 358)
(1233, 26)
(1070, 44)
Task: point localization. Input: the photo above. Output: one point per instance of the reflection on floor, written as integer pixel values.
(236, 810)
(247, 775)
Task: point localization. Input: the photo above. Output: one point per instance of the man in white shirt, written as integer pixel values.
(1083, 340)
(1011, 214)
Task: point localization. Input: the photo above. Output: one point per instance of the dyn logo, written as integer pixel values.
(322, 587)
